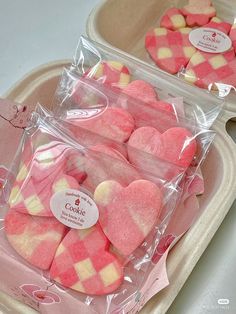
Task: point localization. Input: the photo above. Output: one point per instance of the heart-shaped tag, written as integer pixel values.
(176, 145)
(83, 263)
(36, 239)
(171, 50)
(128, 214)
(198, 12)
(205, 69)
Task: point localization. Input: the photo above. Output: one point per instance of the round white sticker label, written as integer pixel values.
(74, 209)
(210, 40)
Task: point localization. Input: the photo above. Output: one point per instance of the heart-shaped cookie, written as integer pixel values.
(112, 123)
(205, 69)
(112, 73)
(217, 23)
(170, 50)
(232, 36)
(83, 263)
(128, 214)
(176, 145)
(198, 12)
(31, 197)
(173, 19)
(36, 239)
(141, 90)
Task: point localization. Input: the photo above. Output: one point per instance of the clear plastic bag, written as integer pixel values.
(98, 114)
(51, 164)
(118, 71)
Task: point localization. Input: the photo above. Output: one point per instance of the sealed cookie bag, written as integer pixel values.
(83, 222)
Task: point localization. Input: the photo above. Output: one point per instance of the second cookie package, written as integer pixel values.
(104, 184)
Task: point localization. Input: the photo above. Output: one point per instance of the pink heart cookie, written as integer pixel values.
(217, 23)
(128, 214)
(112, 73)
(34, 238)
(198, 12)
(173, 19)
(232, 35)
(176, 145)
(30, 197)
(141, 90)
(83, 263)
(170, 50)
(205, 69)
(149, 110)
(112, 123)
(88, 138)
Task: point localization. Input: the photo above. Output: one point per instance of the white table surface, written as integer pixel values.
(33, 32)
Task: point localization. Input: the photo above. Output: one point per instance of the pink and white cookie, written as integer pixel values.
(36, 239)
(112, 123)
(218, 24)
(170, 50)
(198, 12)
(112, 73)
(128, 214)
(31, 197)
(141, 90)
(177, 145)
(173, 19)
(206, 70)
(83, 263)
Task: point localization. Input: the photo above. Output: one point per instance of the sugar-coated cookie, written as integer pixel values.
(128, 214)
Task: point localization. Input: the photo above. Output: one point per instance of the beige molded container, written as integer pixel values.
(219, 172)
(122, 25)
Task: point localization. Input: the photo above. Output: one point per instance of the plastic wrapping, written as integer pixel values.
(49, 162)
(127, 124)
(191, 40)
(118, 71)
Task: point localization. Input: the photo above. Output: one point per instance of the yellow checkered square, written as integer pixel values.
(217, 62)
(33, 205)
(109, 275)
(85, 269)
(15, 196)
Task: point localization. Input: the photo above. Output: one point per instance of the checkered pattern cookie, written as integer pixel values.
(83, 263)
(217, 23)
(205, 69)
(198, 12)
(170, 50)
(112, 73)
(36, 239)
(32, 197)
(173, 19)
